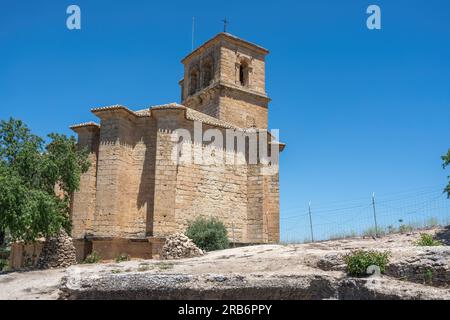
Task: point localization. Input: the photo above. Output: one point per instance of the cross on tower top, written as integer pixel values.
(225, 24)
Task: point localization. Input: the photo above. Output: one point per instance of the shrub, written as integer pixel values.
(123, 257)
(391, 229)
(94, 257)
(208, 234)
(165, 266)
(358, 261)
(428, 276)
(405, 228)
(3, 264)
(372, 232)
(431, 223)
(144, 267)
(427, 240)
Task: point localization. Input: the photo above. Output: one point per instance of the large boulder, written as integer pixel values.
(58, 252)
(179, 246)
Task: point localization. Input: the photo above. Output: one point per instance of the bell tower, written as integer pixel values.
(225, 78)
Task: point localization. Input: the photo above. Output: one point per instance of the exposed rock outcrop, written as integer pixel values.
(297, 271)
(430, 267)
(172, 286)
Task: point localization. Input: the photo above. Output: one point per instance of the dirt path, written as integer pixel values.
(31, 285)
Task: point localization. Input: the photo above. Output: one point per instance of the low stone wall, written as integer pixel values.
(25, 255)
(82, 249)
(111, 248)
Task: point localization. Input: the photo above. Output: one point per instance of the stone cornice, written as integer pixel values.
(229, 37)
(227, 85)
(85, 126)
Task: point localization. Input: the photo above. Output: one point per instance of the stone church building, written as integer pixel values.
(134, 194)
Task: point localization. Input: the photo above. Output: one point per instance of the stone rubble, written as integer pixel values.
(58, 252)
(179, 246)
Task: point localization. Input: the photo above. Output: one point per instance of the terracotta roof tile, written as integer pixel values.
(194, 115)
(85, 124)
(111, 108)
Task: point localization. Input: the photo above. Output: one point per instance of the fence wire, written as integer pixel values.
(395, 212)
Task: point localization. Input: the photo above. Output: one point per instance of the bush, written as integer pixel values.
(3, 264)
(405, 228)
(94, 257)
(208, 234)
(372, 232)
(358, 261)
(123, 257)
(427, 240)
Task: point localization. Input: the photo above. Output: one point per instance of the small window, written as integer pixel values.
(243, 74)
(207, 74)
(193, 82)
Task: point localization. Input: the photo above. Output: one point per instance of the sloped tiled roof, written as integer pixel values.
(113, 108)
(190, 114)
(85, 124)
(194, 115)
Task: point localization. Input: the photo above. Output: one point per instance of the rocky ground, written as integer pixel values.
(304, 271)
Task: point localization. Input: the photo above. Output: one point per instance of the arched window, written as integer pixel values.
(207, 73)
(193, 82)
(243, 73)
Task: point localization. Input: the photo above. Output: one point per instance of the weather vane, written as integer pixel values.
(225, 23)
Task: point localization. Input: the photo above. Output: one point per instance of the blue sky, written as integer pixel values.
(361, 111)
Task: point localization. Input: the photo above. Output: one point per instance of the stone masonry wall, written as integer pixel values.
(207, 103)
(83, 201)
(243, 110)
(213, 191)
(124, 193)
(230, 57)
(226, 98)
(135, 190)
(211, 54)
(272, 207)
(141, 191)
(255, 206)
(165, 174)
(263, 206)
(144, 170)
(187, 190)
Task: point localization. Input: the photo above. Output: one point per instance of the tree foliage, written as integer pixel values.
(446, 159)
(31, 171)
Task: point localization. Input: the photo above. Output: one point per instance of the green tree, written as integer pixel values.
(446, 159)
(36, 181)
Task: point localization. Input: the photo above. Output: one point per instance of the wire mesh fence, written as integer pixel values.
(377, 215)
